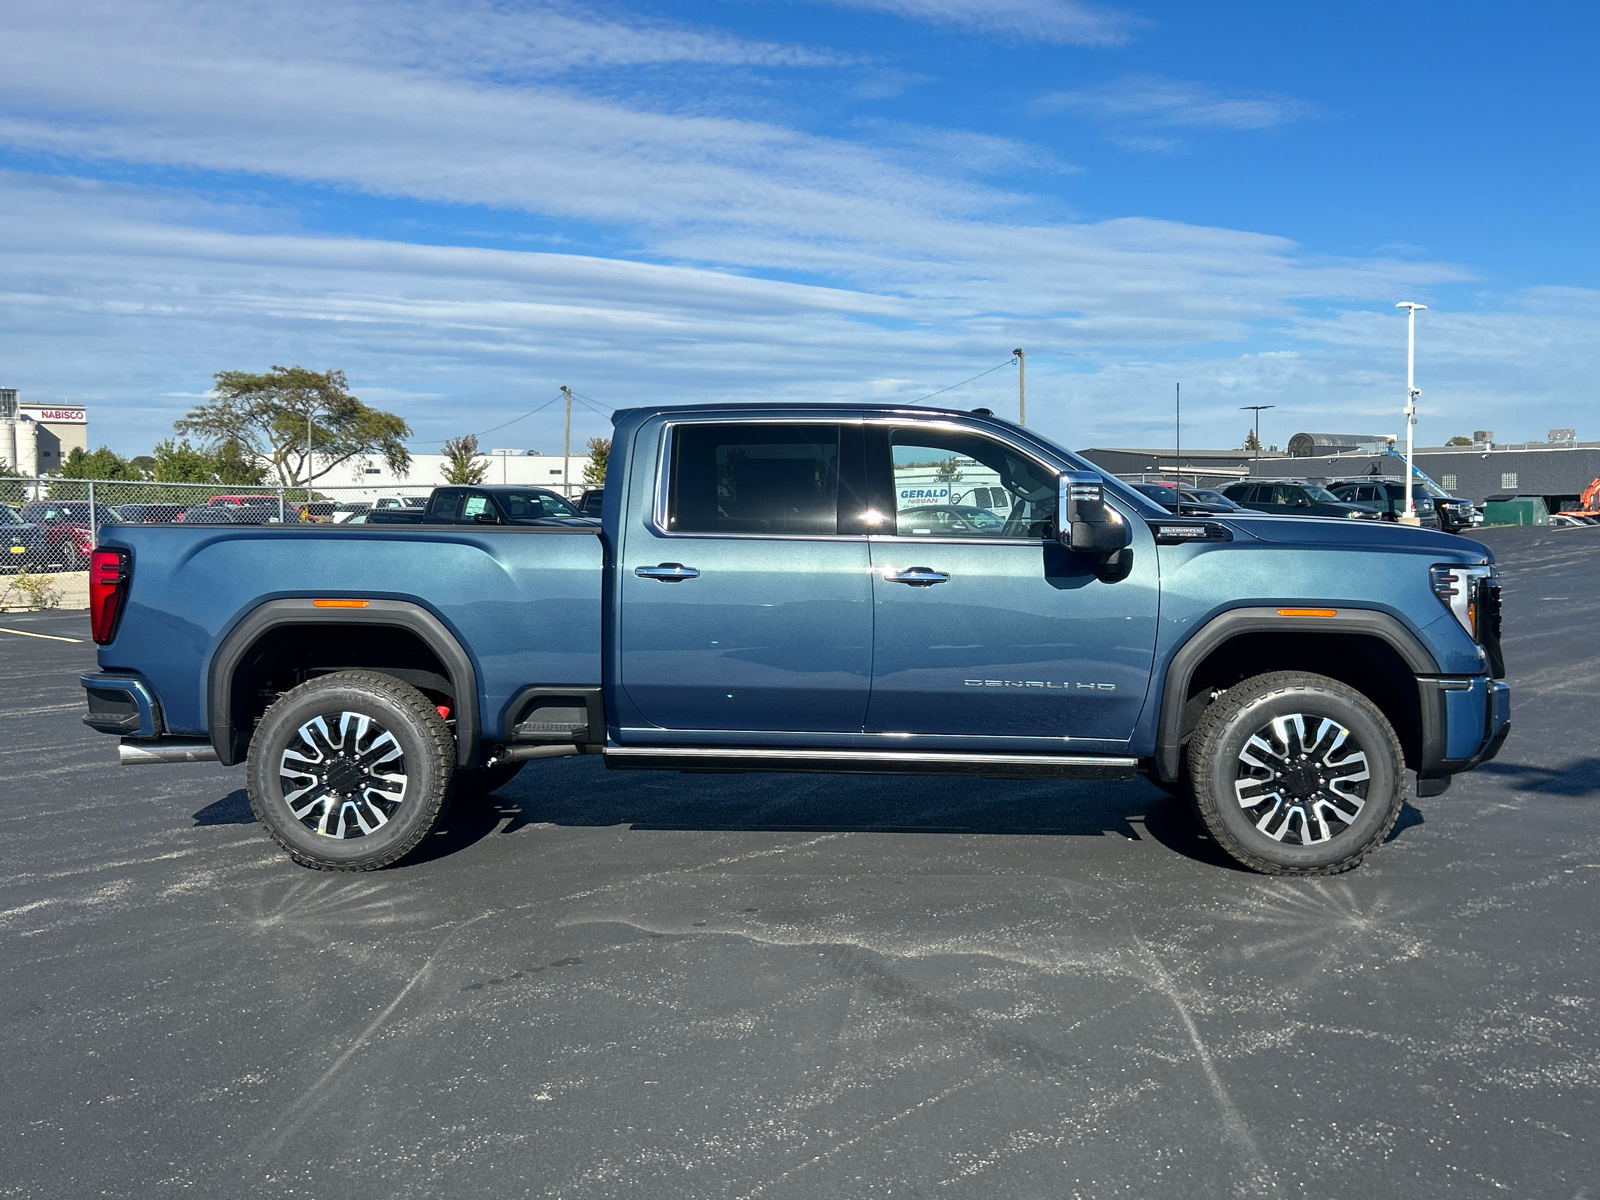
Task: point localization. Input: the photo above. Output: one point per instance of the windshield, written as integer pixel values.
(1322, 494)
(523, 506)
(7, 517)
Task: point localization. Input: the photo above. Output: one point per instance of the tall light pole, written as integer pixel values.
(1022, 387)
(566, 445)
(1410, 517)
(1258, 409)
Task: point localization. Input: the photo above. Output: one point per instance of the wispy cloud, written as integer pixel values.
(1135, 107)
(1065, 22)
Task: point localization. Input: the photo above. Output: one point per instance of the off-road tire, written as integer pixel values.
(472, 782)
(428, 755)
(1224, 731)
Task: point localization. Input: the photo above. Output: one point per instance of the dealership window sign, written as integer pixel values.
(916, 495)
(48, 415)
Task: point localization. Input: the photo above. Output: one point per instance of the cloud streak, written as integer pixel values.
(1065, 22)
(1135, 106)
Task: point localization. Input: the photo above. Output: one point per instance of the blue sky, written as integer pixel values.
(465, 206)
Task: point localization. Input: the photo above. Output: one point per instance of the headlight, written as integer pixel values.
(1472, 594)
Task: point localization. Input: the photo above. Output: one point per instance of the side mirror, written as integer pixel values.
(1302, 503)
(1087, 524)
(486, 518)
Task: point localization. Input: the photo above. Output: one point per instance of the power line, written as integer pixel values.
(492, 428)
(964, 382)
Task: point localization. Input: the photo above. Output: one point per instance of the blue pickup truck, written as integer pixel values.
(762, 594)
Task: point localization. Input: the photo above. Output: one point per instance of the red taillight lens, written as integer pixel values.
(108, 586)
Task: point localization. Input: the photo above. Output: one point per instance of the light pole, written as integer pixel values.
(1258, 409)
(1411, 307)
(566, 445)
(1022, 387)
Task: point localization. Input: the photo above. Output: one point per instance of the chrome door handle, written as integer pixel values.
(667, 572)
(916, 576)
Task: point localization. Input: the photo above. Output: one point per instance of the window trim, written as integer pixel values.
(657, 520)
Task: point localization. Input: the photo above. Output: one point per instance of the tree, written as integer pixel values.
(461, 463)
(594, 475)
(179, 462)
(1458, 440)
(104, 463)
(271, 416)
(1251, 441)
(948, 470)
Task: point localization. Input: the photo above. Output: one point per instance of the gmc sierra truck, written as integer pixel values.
(842, 588)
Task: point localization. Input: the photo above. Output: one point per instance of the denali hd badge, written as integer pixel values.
(1037, 683)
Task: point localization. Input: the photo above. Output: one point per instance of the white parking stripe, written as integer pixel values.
(48, 636)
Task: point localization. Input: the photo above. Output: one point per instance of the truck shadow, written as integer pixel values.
(581, 793)
(1580, 777)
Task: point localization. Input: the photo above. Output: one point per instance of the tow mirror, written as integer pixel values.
(1087, 524)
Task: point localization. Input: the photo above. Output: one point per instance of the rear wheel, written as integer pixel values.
(1296, 774)
(349, 771)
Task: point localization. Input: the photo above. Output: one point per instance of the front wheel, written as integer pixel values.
(1296, 774)
(349, 771)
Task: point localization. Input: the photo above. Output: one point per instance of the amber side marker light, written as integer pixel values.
(340, 603)
(1308, 612)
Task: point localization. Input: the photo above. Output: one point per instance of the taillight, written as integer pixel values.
(109, 572)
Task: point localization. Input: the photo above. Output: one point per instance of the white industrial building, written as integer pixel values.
(527, 467)
(36, 438)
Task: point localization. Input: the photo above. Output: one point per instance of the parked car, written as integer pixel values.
(1296, 498)
(417, 502)
(1212, 496)
(955, 520)
(589, 502)
(1564, 520)
(149, 514)
(68, 529)
(238, 514)
(23, 544)
(1388, 496)
(486, 504)
(348, 510)
(739, 610)
(1181, 501)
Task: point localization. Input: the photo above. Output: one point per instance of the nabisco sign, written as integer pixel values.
(50, 415)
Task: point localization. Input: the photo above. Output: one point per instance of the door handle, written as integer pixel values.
(667, 572)
(916, 576)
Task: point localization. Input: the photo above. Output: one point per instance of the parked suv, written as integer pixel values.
(1296, 498)
(1388, 496)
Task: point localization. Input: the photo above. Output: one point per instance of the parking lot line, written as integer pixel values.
(48, 636)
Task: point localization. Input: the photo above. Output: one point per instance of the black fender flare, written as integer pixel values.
(272, 614)
(1230, 624)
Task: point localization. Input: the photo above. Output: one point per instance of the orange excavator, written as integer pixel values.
(1588, 503)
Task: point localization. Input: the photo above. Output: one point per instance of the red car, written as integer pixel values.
(68, 535)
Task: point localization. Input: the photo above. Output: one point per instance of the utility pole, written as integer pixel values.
(1177, 410)
(1022, 387)
(566, 445)
(309, 413)
(1257, 409)
(1410, 517)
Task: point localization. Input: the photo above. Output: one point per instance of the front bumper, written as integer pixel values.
(1465, 721)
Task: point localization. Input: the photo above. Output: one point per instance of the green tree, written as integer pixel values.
(948, 470)
(103, 463)
(270, 417)
(461, 463)
(12, 489)
(180, 462)
(594, 475)
(1251, 441)
(1458, 440)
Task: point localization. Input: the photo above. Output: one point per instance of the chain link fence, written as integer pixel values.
(55, 522)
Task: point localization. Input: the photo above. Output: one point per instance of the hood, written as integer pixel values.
(1345, 534)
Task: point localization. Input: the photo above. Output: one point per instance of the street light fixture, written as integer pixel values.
(1258, 409)
(1411, 307)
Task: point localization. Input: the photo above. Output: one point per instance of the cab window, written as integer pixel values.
(754, 479)
(948, 483)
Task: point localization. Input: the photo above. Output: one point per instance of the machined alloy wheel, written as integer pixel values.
(349, 771)
(1296, 774)
(345, 776)
(1302, 779)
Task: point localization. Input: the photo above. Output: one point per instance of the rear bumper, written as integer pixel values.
(121, 704)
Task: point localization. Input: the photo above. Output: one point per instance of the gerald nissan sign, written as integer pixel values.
(46, 415)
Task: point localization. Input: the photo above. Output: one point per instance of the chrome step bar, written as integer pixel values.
(870, 762)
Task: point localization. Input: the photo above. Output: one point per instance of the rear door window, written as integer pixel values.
(751, 478)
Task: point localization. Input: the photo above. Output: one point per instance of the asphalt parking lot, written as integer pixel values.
(603, 984)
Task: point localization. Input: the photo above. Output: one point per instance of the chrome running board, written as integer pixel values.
(870, 762)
